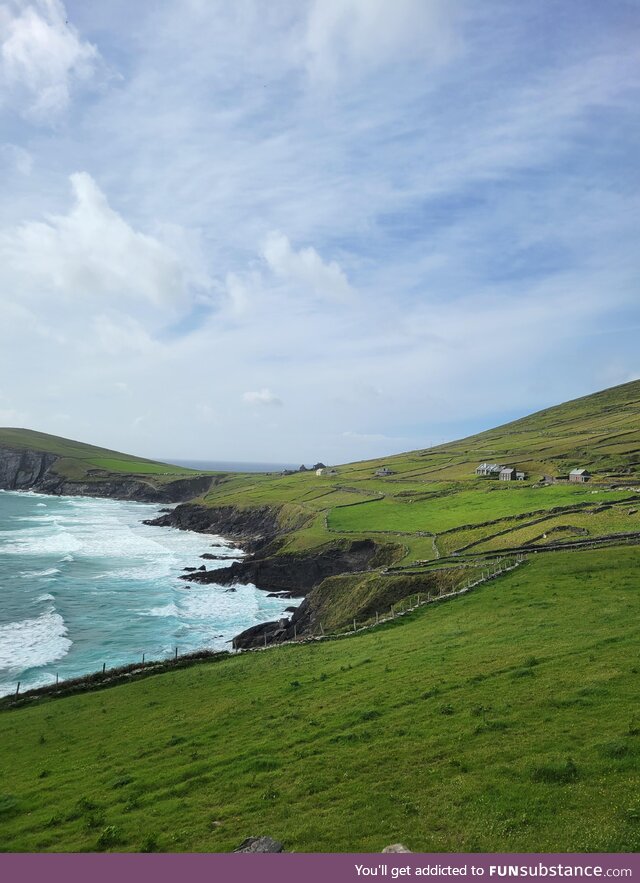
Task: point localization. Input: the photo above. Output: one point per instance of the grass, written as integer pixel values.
(78, 459)
(484, 503)
(501, 721)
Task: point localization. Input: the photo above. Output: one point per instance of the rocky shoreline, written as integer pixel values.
(293, 575)
(26, 470)
(257, 531)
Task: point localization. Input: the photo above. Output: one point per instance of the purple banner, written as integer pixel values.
(316, 868)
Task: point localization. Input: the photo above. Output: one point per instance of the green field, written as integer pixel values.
(506, 720)
(464, 508)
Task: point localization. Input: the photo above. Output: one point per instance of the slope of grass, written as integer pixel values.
(506, 720)
(77, 459)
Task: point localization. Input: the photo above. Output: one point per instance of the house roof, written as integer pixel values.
(507, 469)
(578, 472)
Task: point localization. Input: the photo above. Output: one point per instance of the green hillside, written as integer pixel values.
(78, 459)
(438, 513)
(506, 720)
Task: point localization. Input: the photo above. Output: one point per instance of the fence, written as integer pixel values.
(398, 609)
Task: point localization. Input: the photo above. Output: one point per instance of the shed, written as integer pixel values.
(507, 473)
(384, 471)
(579, 475)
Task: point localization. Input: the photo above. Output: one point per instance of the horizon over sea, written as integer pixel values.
(84, 583)
(230, 465)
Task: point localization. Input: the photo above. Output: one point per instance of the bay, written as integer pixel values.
(83, 582)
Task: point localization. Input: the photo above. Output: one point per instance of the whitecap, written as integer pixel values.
(167, 610)
(50, 571)
(33, 642)
(46, 597)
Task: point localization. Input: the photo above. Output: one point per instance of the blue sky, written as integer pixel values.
(316, 229)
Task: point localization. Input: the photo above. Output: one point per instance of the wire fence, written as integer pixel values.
(402, 607)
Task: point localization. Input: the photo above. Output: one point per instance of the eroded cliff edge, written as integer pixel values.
(36, 471)
(260, 532)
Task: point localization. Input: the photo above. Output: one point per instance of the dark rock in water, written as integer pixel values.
(188, 569)
(230, 590)
(257, 525)
(296, 573)
(202, 567)
(260, 844)
(260, 635)
(209, 557)
(279, 595)
(290, 609)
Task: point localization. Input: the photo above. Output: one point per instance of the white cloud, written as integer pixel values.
(42, 58)
(92, 253)
(263, 396)
(305, 268)
(343, 36)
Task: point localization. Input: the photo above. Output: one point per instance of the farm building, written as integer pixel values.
(507, 473)
(579, 475)
(384, 471)
(321, 471)
(520, 476)
(488, 470)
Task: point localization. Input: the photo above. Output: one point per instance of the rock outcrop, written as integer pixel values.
(35, 470)
(296, 572)
(22, 470)
(260, 844)
(253, 527)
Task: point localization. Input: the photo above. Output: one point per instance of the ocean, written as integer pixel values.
(83, 583)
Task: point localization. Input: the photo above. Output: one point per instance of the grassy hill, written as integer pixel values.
(435, 511)
(505, 719)
(77, 459)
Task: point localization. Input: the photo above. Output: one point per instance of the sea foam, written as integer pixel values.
(33, 642)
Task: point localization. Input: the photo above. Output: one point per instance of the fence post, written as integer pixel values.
(321, 629)
(295, 633)
(143, 658)
(18, 688)
(354, 625)
(104, 667)
(176, 656)
(393, 612)
(265, 639)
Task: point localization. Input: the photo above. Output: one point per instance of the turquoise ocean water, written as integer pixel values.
(83, 582)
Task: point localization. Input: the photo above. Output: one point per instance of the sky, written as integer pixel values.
(313, 229)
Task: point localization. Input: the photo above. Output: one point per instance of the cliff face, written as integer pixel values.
(295, 573)
(255, 527)
(32, 470)
(20, 470)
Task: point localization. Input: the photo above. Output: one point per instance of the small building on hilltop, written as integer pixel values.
(384, 470)
(579, 475)
(488, 470)
(507, 473)
(325, 471)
